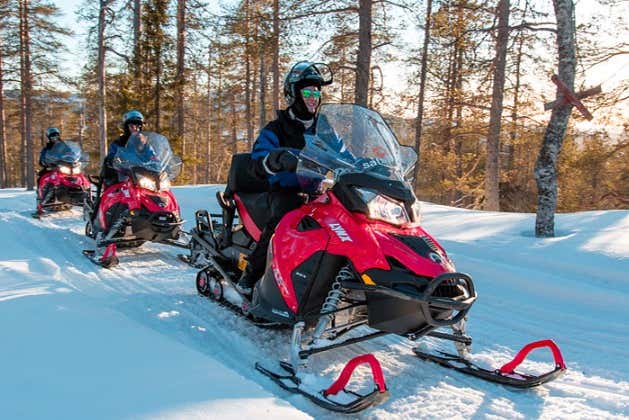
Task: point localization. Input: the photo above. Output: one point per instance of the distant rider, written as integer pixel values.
(54, 136)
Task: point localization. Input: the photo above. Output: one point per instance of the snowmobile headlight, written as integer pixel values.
(384, 208)
(76, 170)
(146, 183)
(66, 170)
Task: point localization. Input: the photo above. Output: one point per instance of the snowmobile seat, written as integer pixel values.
(249, 190)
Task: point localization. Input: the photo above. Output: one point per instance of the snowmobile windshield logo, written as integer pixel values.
(340, 232)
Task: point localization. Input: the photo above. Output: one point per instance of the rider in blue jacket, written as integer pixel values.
(275, 155)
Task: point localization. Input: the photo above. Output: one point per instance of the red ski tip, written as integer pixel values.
(510, 367)
(349, 368)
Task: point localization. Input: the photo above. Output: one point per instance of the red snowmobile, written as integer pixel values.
(63, 184)
(352, 264)
(141, 206)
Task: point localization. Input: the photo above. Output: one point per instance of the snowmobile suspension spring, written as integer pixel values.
(49, 193)
(116, 226)
(332, 300)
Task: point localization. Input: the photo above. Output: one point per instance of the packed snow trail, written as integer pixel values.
(572, 289)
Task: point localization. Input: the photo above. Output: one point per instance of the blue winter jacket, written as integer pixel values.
(283, 132)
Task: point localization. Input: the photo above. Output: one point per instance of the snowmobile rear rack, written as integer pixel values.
(506, 375)
(291, 382)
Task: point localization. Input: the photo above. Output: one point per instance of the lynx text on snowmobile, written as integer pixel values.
(63, 185)
(141, 207)
(352, 264)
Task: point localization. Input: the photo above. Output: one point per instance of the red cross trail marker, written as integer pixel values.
(568, 97)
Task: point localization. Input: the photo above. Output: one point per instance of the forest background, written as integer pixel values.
(209, 76)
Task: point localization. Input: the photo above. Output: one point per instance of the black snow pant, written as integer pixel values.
(280, 203)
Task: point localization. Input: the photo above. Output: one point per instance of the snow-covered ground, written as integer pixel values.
(78, 341)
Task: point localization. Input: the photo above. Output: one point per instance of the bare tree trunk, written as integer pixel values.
(219, 112)
(422, 88)
(516, 94)
(101, 75)
(3, 130)
(137, 33)
(516, 103)
(276, 55)
(492, 169)
(262, 88)
(363, 61)
(195, 123)
(158, 89)
(26, 84)
(457, 140)
(208, 168)
(234, 125)
(81, 124)
(248, 88)
(546, 164)
(180, 77)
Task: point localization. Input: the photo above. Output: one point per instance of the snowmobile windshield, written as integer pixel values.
(65, 152)
(352, 139)
(147, 151)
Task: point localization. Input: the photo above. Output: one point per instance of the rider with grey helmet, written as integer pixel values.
(132, 122)
(53, 134)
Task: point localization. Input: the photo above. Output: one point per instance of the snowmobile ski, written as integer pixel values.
(289, 381)
(108, 258)
(506, 375)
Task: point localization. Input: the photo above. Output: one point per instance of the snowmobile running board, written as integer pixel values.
(290, 382)
(506, 375)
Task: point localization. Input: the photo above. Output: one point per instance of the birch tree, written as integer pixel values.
(546, 164)
(3, 131)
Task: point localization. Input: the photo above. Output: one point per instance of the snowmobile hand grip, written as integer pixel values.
(509, 368)
(349, 368)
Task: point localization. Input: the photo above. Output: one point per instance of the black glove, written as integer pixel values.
(280, 160)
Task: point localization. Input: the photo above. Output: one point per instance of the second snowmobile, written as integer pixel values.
(352, 264)
(139, 208)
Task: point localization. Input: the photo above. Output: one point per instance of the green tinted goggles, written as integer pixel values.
(307, 93)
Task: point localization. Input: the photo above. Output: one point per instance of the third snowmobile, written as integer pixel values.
(63, 184)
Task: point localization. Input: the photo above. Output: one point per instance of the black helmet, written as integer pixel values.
(53, 132)
(132, 116)
(302, 74)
